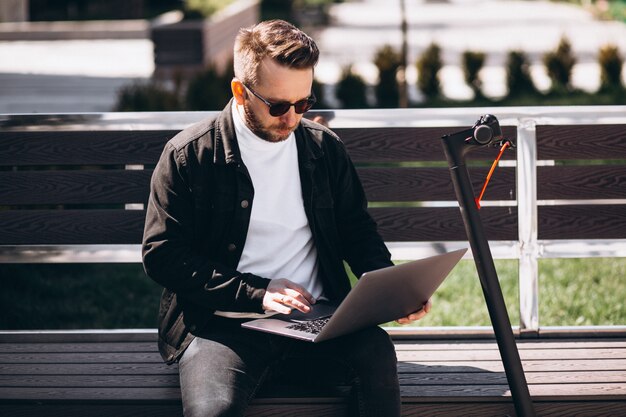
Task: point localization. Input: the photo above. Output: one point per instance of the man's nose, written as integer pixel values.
(289, 118)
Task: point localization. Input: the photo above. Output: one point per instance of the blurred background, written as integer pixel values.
(60, 56)
(65, 56)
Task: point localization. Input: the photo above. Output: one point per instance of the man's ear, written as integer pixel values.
(239, 91)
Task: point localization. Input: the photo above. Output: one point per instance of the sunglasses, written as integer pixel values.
(282, 107)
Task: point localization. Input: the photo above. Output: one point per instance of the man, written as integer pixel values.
(251, 213)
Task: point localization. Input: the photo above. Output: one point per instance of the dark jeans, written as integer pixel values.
(222, 370)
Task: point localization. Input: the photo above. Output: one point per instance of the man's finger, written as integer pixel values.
(294, 302)
(279, 307)
(296, 291)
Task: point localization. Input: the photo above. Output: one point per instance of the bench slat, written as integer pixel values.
(82, 148)
(581, 141)
(581, 182)
(126, 226)
(132, 186)
(582, 222)
(407, 224)
(431, 184)
(40, 227)
(260, 409)
(416, 378)
(396, 144)
(74, 187)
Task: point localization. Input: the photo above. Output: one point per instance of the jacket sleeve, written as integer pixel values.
(362, 246)
(170, 257)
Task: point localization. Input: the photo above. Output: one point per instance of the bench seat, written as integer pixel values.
(121, 373)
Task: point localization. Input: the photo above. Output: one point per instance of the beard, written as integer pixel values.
(272, 133)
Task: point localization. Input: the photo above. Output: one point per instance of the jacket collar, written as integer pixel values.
(226, 148)
(227, 151)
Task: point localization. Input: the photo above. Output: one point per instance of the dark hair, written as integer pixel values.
(276, 39)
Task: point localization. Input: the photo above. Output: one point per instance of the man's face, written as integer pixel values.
(276, 83)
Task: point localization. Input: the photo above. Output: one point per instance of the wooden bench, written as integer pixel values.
(52, 212)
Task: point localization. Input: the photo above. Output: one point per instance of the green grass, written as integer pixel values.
(460, 301)
(577, 292)
(77, 296)
(107, 296)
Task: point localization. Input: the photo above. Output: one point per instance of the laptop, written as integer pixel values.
(378, 297)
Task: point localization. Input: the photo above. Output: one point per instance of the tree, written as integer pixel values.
(351, 90)
(611, 64)
(149, 96)
(518, 79)
(388, 61)
(559, 64)
(472, 64)
(428, 66)
(209, 90)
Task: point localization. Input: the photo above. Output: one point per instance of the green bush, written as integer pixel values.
(148, 96)
(209, 90)
(611, 64)
(428, 66)
(199, 9)
(518, 80)
(318, 90)
(559, 64)
(472, 64)
(351, 90)
(388, 61)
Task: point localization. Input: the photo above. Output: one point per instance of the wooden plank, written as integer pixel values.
(582, 222)
(259, 409)
(89, 381)
(581, 141)
(132, 186)
(581, 182)
(469, 378)
(535, 354)
(431, 184)
(423, 378)
(126, 226)
(609, 391)
(81, 357)
(570, 408)
(400, 345)
(82, 147)
(521, 344)
(554, 365)
(91, 394)
(74, 187)
(614, 391)
(49, 227)
(131, 368)
(145, 368)
(418, 378)
(78, 347)
(91, 410)
(80, 336)
(395, 144)
(417, 224)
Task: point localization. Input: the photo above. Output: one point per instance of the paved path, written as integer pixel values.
(69, 76)
(84, 75)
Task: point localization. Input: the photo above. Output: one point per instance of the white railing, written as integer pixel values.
(528, 249)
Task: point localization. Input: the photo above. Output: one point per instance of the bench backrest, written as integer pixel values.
(73, 187)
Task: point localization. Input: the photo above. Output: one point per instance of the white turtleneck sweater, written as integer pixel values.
(279, 243)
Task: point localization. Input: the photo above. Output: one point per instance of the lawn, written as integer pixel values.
(87, 296)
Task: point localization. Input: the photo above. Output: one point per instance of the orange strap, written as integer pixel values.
(505, 145)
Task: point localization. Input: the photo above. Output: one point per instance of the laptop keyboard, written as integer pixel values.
(311, 326)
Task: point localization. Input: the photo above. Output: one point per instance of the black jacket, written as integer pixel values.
(198, 215)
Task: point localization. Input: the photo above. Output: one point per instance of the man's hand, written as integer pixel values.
(419, 314)
(282, 295)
